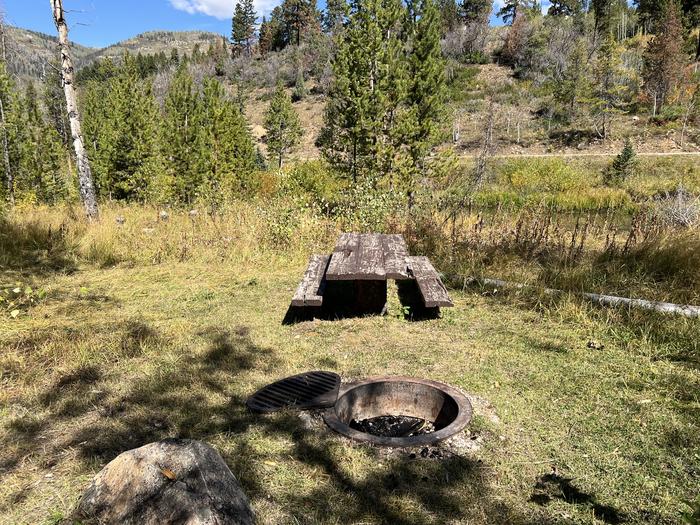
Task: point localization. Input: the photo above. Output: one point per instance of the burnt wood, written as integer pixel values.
(431, 288)
(311, 288)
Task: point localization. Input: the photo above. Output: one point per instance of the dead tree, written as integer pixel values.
(3, 123)
(85, 182)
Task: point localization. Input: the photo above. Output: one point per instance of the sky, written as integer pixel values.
(99, 23)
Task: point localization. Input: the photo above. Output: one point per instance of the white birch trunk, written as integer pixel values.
(85, 182)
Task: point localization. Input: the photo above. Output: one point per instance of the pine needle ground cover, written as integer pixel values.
(103, 357)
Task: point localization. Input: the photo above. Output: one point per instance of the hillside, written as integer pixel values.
(29, 51)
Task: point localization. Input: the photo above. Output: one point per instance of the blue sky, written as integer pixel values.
(98, 23)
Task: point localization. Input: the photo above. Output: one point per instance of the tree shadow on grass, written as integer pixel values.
(552, 486)
(201, 395)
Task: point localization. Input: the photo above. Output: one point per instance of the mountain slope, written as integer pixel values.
(29, 52)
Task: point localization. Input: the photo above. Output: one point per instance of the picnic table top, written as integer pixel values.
(369, 257)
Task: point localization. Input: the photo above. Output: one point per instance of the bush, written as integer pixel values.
(623, 167)
(313, 183)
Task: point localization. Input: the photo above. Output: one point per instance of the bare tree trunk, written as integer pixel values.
(10, 180)
(85, 182)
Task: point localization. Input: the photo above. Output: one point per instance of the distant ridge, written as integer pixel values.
(29, 52)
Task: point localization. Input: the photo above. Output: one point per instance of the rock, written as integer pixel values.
(120, 220)
(163, 215)
(171, 481)
(194, 213)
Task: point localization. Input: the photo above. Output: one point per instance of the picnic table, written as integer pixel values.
(353, 279)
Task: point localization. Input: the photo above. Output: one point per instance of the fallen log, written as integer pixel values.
(600, 299)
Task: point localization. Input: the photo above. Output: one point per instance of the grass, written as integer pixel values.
(125, 348)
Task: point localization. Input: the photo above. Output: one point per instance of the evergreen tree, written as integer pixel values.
(41, 154)
(282, 125)
(476, 10)
(299, 85)
(572, 88)
(227, 155)
(299, 16)
(450, 17)
(425, 94)
(602, 12)
(181, 141)
(623, 166)
(335, 15)
(10, 128)
(121, 129)
(565, 7)
(664, 58)
(243, 27)
(266, 37)
(363, 109)
(607, 92)
(511, 8)
(55, 102)
(174, 57)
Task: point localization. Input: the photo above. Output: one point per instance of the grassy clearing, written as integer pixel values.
(124, 348)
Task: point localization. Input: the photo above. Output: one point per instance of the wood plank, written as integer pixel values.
(370, 258)
(343, 265)
(431, 288)
(395, 257)
(310, 289)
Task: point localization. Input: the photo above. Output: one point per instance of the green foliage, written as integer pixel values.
(282, 125)
(624, 165)
(18, 297)
(243, 26)
(121, 129)
(314, 183)
(692, 516)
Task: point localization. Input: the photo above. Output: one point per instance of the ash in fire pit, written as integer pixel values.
(393, 426)
(429, 411)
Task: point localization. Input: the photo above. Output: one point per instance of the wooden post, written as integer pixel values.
(85, 181)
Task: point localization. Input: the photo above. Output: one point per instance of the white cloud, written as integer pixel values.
(221, 9)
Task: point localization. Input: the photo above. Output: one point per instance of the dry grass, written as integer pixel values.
(117, 355)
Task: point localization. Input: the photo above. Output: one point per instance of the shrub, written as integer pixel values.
(623, 167)
(680, 209)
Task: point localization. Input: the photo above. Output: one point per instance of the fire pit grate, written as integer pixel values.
(317, 389)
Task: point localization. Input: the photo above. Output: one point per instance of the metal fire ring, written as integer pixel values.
(450, 395)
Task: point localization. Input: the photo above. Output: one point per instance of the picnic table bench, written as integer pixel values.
(353, 279)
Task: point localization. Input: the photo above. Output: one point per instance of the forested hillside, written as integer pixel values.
(396, 90)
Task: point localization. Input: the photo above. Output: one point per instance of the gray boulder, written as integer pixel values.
(174, 481)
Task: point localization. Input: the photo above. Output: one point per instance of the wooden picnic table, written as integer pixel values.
(355, 276)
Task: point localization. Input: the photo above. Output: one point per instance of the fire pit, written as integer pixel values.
(399, 411)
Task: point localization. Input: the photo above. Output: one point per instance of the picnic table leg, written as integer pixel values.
(410, 296)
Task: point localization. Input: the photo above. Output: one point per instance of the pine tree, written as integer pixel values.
(450, 17)
(299, 85)
(623, 166)
(282, 125)
(335, 15)
(181, 141)
(664, 58)
(243, 27)
(299, 16)
(227, 155)
(265, 37)
(565, 7)
(363, 111)
(9, 127)
(573, 86)
(476, 11)
(602, 12)
(511, 9)
(122, 123)
(425, 94)
(607, 93)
